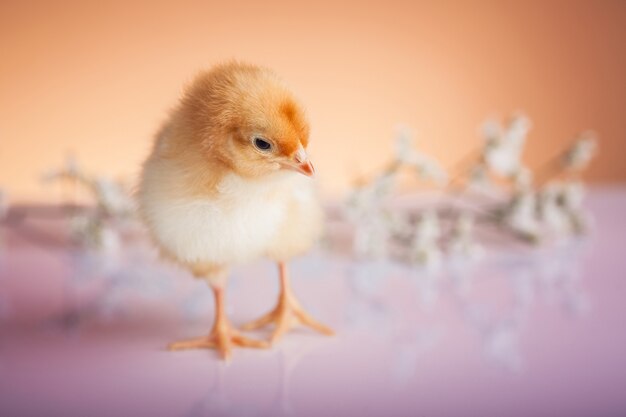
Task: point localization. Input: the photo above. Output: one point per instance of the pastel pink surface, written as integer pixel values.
(520, 332)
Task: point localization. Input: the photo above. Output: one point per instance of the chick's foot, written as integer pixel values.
(222, 338)
(284, 316)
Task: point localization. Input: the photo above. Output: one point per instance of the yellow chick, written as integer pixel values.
(229, 181)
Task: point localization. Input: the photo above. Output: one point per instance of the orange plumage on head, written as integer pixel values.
(225, 108)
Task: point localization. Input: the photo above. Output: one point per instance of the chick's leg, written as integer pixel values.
(223, 335)
(287, 312)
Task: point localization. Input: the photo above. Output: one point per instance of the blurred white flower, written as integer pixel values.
(425, 166)
(429, 255)
(572, 195)
(580, 222)
(560, 207)
(581, 152)
(491, 130)
(363, 203)
(427, 228)
(521, 215)
(429, 168)
(462, 241)
(571, 198)
(424, 248)
(403, 145)
(365, 210)
(523, 178)
(371, 238)
(550, 211)
(518, 129)
(503, 148)
(69, 169)
(112, 197)
(479, 178)
(399, 223)
(524, 209)
(382, 185)
(93, 233)
(109, 240)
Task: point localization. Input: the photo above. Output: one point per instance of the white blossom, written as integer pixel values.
(581, 152)
(523, 208)
(523, 178)
(399, 223)
(521, 215)
(427, 228)
(560, 207)
(517, 130)
(550, 211)
(110, 240)
(371, 232)
(382, 185)
(462, 241)
(491, 130)
(571, 198)
(572, 195)
(364, 202)
(112, 197)
(425, 166)
(429, 168)
(403, 145)
(93, 233)
(504, 147)
(70, 169)
(479, 177)
(371, 238)
(425, 245)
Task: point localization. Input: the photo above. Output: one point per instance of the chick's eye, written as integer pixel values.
(262, 144)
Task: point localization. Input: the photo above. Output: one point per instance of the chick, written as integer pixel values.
(229, 181)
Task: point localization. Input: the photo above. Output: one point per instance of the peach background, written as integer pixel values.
(98, 77)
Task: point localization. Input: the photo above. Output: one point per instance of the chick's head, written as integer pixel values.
(244, 117)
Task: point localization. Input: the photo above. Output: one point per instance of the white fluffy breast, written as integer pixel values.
(235, 226)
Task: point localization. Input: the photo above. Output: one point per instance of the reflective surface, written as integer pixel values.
(519, 332)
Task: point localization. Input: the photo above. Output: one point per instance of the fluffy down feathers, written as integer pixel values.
(208, 195)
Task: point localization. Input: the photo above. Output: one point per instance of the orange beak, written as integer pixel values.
(299, 163)
(305, 167)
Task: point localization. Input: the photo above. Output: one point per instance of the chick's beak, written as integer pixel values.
(300, 163)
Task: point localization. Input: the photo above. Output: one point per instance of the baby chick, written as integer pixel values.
(228, 181)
